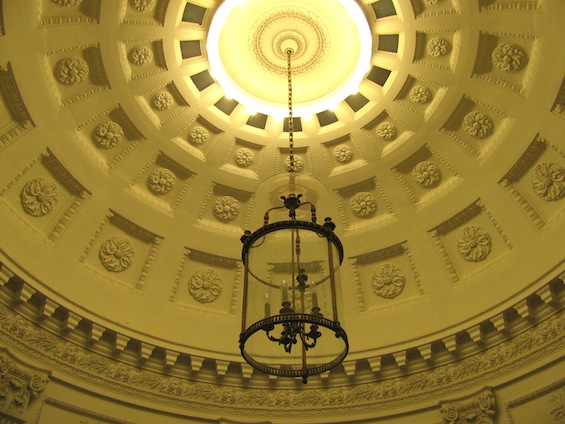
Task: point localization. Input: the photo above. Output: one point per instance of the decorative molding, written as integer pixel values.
(559, 384)
(20, 386)
(531, 345)
(100, 418)
(478, 409)
(23, 122)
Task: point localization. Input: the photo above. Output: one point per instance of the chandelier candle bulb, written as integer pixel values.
(267, 305)
(284, 292)
(314, 299)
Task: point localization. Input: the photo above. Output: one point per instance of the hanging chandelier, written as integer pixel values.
(290, 325)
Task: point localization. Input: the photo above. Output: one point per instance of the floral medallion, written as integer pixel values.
(548, 181)
(143, 5)
(363, 204)
(116, 254)
(474, 243)
(226, 208)
(108, 134)
(438, 47)
(161, 181)
(68, 3)
(298, 163)
(72, 70)
(198, 135)
(426, 174)
(477, 125)
(420, 94)
(141, 56)
(386, 131)
(508, 57)
(388, 281)
(205, 285)
(244, 157)
(342, 153)
(39, 196)
(162, 101)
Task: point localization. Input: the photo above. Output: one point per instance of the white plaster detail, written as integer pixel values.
(198, 135)
(72, 70)
(108, 134)
(386, 131)
(298, 163)
(363, 204)
(474, 243)
(477, 125)
(226, 208)
(438, 47)
(420, 94)
(39, 196)
(508, 57)
(478, 410)
(244, 157)
(68, 3)
(205, 285)
(388, 281)
(426, 174)
(342, 153)
(161, 181)
(116, 254)
(548, 181)
(143, 5)
(141, 55)
(162, 101)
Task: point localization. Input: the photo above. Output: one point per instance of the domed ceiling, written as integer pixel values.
(129, 171)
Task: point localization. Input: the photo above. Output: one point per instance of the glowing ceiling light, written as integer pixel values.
(336, 93)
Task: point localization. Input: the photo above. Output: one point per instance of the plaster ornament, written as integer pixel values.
(343, 153)
(477, 125)
(244, 157)
(473, 243)
(198, 135)
(298, 163)
(386, 131)
(508, 57)
(143, 5)
(363, 204)
(548, 181)
(205, 285)
(426, 173)
(141, 56)
(67, 3)
(226, 208)
(39, 196)
(438, 47)
(558, 402)
(388, 281)
(431, 2)
(162, 100)
(479, 410)
(161, 181)
(116, 254)
(19, 387)
(71, 70)
(108, 134)
(420, 94)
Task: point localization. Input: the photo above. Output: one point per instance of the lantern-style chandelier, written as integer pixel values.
(290, 325)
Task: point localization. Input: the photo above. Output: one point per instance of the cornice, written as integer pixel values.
(399, 379)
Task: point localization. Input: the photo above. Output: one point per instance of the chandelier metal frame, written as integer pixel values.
(294, 326)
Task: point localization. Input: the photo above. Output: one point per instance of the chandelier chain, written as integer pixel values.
(290, 119)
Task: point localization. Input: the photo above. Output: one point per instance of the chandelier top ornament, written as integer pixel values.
(292, 263)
